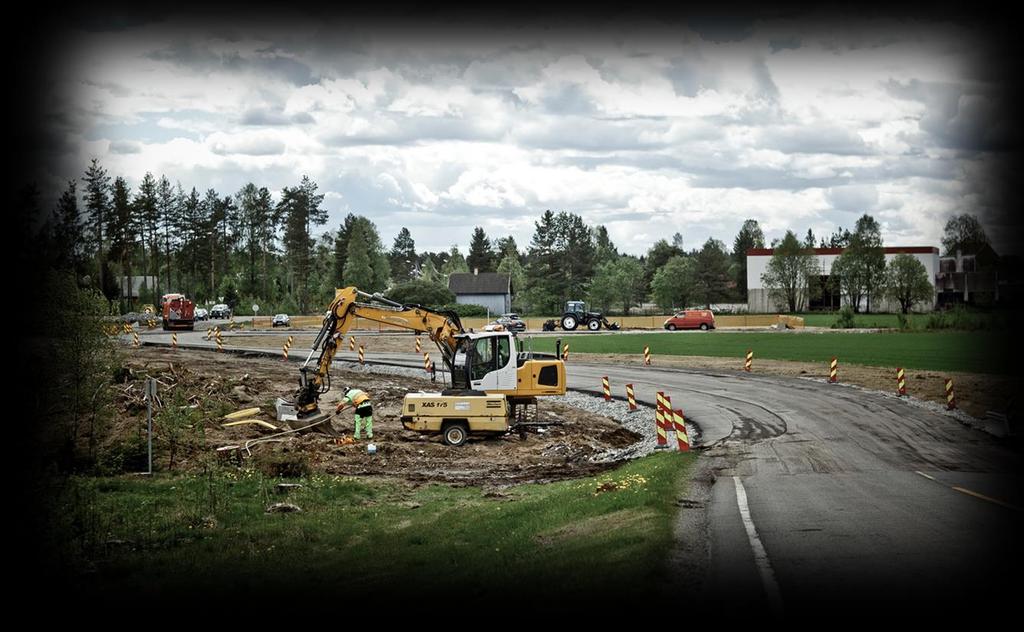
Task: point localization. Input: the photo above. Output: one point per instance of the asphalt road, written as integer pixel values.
(828, 499)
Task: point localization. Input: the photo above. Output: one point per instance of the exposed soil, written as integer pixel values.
(573, 446)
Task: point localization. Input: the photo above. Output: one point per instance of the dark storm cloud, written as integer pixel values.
(201, 59)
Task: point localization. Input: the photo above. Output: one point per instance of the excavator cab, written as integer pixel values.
(484, 362)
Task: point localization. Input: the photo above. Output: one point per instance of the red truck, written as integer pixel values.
(178, 312)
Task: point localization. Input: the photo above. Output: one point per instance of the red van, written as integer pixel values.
(691, 319)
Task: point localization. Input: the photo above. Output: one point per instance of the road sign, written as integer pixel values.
(150, 388)
(255, 308)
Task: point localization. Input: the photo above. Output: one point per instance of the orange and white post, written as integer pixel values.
(606, 388)
(659, 420)
(833, 371)
(362, 355)
(647, 355)
(565, 353)
(749, 361)
(682, 439)
(950, 397)
(631, 398)
(901, 382)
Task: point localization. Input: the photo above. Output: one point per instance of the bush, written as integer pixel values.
(122, 457)
(845, 319)
(421, 293)
(465, 310)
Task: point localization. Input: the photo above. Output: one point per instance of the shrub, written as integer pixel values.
(845, 320)
(122, 457)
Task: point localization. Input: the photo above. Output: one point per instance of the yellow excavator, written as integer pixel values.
(493, 390)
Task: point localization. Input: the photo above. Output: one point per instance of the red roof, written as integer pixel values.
(894, 250)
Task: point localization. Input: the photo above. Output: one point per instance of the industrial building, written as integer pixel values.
(758, 299)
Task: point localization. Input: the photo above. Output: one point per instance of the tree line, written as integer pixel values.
(248, 247)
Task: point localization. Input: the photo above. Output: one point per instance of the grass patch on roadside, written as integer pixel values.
(209, 534)
(972, 352)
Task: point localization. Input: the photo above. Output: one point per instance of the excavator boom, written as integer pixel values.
(485, 361)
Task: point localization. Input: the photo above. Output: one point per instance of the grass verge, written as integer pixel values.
(554, 544)
(972, 352)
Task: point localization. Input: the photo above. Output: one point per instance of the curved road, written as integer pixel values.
(826, 497)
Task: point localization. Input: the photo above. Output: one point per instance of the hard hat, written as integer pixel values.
(371, 448)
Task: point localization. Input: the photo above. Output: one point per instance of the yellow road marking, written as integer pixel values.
(963, 490)
(988, 498)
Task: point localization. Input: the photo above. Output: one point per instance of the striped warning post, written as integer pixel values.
(659, 421)
(749, 361)
(682, 439)
(565, 353)
(351, 343)
(135, 338)
(647, 356)
(426, 362)
(631, 398)
(174, 341)
(901, 382)
(362, 354)
(950, 397)
(220, 342)
(291, 339)
(127, 328)
(833, 371)
(284, 351)
(607, 389)
(419, 348)
(209, 333)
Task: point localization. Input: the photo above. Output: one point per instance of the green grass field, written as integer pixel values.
(859, 320)
(358, 537)
(973, 352)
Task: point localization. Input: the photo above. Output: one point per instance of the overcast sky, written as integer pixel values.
(651, 130)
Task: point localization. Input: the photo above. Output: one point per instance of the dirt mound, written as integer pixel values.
(203, 386)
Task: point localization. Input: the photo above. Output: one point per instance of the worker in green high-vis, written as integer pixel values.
(364, 410)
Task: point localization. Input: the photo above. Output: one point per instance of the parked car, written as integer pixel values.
(691, 319)
(220, 311)
(506, 322)
(202, 314)
(512, 322)
(282, 320)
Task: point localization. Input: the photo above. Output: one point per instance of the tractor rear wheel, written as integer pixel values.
(569, 322)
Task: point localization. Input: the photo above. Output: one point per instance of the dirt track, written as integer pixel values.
(573, 446)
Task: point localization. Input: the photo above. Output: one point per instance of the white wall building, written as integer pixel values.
(757, 264)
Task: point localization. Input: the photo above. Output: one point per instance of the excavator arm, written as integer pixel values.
(314, 379)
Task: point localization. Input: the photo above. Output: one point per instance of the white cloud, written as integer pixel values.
(794, 126)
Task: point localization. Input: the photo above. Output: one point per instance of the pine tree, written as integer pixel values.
(97, 206)
(146, 215)
(402, 257)
(358, 271)
(122, 232)
(300, 206)
(168, 208)
(481, 255)
(66, 226)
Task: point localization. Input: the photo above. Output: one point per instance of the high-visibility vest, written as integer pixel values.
(357, 397)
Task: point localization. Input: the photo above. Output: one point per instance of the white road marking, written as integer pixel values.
(764, 567)
(924, 475)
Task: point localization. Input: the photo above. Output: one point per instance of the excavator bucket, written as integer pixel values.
(317, 422)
